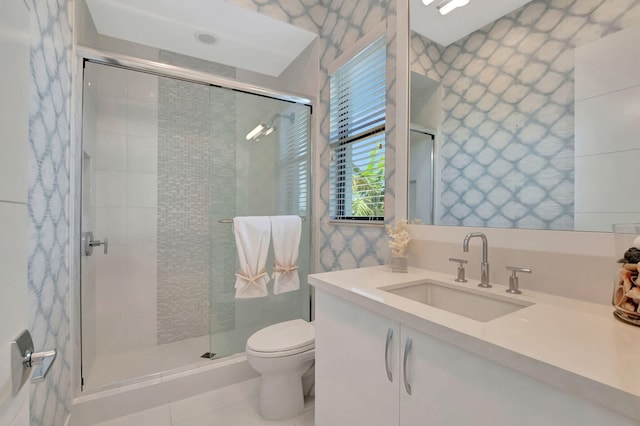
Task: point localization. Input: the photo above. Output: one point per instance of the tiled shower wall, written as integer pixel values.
(507, 137)
(196, 187)
(124, 180)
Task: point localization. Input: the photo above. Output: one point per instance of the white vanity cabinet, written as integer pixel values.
(352, 386)
(449, 385)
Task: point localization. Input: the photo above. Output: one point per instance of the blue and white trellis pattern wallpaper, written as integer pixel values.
(48, 204)
(508, 106)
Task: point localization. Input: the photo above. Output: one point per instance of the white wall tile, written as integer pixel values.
(141, 328)
(599, 188)
(142, 87)
(111, 150)
(111, 224)
(141, 275)
(609, 64)
(142, 266)
(142, 154)
(110, 329)
(141, 225)
(140, 294)
(110, 189)
(608, 123)
(111, 300)
(88, 302)
(142, 119)
(111, 115)
(142, 190)
(111, 272)
(111, 81)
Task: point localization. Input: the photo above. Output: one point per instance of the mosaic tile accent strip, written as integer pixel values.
(196, 135)
(48, 200)
(222, 151)
(508, 103)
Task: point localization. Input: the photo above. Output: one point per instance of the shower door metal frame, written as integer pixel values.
(185, 74)
(86, 54)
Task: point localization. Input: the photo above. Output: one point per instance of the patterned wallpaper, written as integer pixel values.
(340, 24)
(508, 102)
(48, 204)
(345, 246)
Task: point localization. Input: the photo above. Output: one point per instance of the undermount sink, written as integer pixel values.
(461, 301)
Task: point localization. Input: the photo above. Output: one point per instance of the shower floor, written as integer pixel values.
(112, 371)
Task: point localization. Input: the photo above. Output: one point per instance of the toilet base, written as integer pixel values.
(281, 397)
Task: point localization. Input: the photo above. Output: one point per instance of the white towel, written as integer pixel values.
(252, 235)
(285, 234)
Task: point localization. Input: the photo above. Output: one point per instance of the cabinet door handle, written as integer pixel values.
(386, 354)
(407, 348)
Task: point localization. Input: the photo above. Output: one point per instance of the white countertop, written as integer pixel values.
(574, 345)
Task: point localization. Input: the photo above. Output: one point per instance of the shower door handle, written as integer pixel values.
(90, 243)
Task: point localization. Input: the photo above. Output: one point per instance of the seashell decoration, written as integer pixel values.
(626, 296)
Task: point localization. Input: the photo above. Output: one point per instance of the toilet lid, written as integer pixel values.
(284, 336)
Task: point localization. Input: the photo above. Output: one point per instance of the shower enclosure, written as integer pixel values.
(166, 165)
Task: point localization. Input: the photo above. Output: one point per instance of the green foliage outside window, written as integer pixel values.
(368, 187)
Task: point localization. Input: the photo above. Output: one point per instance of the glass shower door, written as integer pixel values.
(119, 226)
(166, 164)
(255, 174)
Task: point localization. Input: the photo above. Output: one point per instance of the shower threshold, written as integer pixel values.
(115, 370)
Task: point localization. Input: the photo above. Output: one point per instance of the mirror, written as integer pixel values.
(535, 117)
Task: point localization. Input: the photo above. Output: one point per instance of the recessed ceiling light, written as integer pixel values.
(206, 38)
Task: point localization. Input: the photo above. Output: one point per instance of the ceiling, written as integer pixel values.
(460, 22)
(253, 41)
(245, 39)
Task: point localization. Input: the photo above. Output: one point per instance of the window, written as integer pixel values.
(357, 136)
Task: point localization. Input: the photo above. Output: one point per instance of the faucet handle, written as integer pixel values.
(513, 279)
(461, 263)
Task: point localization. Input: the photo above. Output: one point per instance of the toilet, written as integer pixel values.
(283, 353)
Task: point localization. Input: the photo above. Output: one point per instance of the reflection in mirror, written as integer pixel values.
(421, 173)
(535, 118)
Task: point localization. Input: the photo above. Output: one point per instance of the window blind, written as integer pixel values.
(293, 162)
(357, 135)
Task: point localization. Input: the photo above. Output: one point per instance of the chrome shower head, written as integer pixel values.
(264, 129)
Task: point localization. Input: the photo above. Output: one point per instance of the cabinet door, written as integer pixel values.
(352, 386)
(451, 386)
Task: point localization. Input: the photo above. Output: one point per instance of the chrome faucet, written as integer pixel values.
(484, 267)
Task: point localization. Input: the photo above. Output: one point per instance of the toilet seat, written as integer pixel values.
(282, 339)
